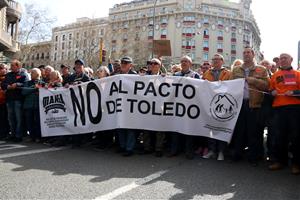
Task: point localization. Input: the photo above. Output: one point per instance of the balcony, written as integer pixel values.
(233, 52)
(13, 11)
(163, 36)
(3, 3)
(233, 40)
(5, 40)
(206, 36)
(205, 49)
(220, 38)
(220, 50)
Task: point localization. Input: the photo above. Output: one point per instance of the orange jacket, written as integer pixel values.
(283, 81)
(224, 75)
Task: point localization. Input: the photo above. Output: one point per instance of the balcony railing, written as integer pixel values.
(13, 11)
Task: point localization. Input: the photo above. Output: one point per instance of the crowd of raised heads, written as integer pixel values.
(271, 105)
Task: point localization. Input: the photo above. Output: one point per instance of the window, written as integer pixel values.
(62, 55)
(233, 47)
(164, 20)
(163, 10)
(189, 18)
(233, 35)
(77, 35)
(205, 44)
(38, 56)
(70, 44)
(220, 22)
(48, 55)
(55, 47)
(69, 55)
(102, 32)
(219, 46)
(205, 56)
(77, 44)
(56, 38)
(85, 33)
(76, 54)
(164, 32)
(220, 33)
(55, 56)
(70, 36)
(150, 33)
(63, 45)
(42, 57)
(206, 32)
(206, 20)
(193, 56)
(32, 57)
(189, 5)
(64, 37)
(84, 43)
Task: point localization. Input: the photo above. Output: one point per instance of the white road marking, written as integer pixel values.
(131, 186)
(11, 146)
(23, 153)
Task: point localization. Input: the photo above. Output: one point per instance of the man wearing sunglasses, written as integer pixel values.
(149, 136)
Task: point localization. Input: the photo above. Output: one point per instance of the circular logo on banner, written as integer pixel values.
(223, 107)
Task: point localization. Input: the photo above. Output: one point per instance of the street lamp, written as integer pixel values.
(154, 6)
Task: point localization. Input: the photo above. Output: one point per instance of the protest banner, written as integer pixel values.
(173, 104)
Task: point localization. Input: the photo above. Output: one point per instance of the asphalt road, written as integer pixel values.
(35, 171)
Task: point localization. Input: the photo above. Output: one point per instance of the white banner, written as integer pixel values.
(172, 104)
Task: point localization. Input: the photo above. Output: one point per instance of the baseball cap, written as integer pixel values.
(155, 60)
(126, 59)
(79, 61)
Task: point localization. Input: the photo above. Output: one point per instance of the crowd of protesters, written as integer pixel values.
(271, 101)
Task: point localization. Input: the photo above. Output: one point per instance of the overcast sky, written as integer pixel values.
(277, 19)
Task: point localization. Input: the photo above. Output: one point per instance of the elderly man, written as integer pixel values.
(127, 137)
(247, 133)
(216, 73)
(12, 84)
(186, 71)
(203, 68)
(285, 87)
(154, 137)
(78, 77)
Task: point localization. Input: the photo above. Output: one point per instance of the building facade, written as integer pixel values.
(10, 16)
(199, 28)
(78, 40)
(34, 55)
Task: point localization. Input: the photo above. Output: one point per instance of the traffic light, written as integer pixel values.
(103, 55)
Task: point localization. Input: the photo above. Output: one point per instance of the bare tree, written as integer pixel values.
(35, 27)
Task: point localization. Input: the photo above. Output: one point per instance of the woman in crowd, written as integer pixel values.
(31, 104)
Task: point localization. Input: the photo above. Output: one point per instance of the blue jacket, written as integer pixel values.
(11, 77)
